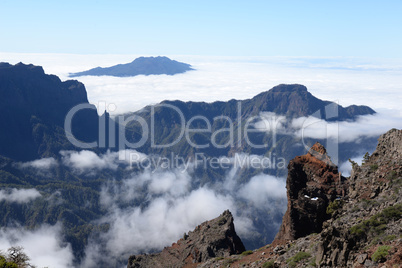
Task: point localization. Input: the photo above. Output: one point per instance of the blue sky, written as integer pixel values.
(216, 28)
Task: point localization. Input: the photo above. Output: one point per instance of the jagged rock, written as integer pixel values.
(313, 181)
(215, 238)
(361, 258)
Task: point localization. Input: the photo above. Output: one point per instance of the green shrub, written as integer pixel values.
(5, 264)
(247, 252)
(185, 236)
(228, 262)
(354, 164)
(366, 158)
(269, 264)
(374, 167)
(380, 254)
(298, 257)
(312, 262)
(394, 212)
(377, 223)
(392, 175)
(389, 238)
(333, 206)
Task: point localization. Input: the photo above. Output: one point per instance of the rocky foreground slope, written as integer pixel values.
(215, 238)
(331, 221)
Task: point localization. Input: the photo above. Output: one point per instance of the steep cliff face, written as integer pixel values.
(313, 181)
(215, 238)
(33, 107)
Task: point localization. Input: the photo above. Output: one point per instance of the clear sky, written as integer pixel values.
(228, 28)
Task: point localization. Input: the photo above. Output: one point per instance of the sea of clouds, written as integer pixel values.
(364, 81)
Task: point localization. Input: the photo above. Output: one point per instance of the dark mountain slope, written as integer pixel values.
(33, 107)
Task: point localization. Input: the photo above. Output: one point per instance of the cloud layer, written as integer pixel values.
(373, 82)
(88, 161)
(19, 195)
(43, 163)
(344, 131)
(174, 207)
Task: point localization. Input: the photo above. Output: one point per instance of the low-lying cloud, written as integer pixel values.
(20, 196)
(172, 208)
(342, 131)
(87, 161)
(43, 163)
(263, 188)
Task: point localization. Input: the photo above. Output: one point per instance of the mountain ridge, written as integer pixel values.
(292, 100)
(35, 104)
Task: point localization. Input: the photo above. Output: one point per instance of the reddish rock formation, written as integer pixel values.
(313, 181)
(366, 220)
(214, 238)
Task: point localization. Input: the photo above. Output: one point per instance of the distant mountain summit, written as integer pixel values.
(140, 66)
(294, 100)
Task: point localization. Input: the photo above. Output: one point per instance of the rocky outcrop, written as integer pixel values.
(215, 238)
(313, 182)
(362, 229)
(370, 217)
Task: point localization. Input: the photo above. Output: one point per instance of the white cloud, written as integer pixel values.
(43, 163)
(19, 195)
(346, 167)
(347, 131)
(172, 209)
(89, 161)
(343, 131)
(44, 245)
(174, 183)
(262, 188)
(163, 221)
